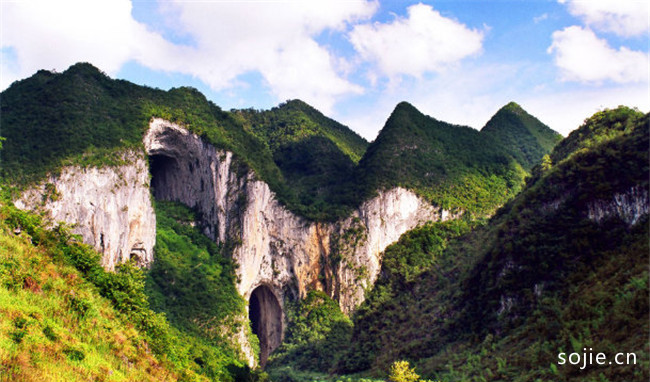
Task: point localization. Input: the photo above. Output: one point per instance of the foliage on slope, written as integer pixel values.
(600, 127)
(526, 138)
(294, 121)
(82, 116)
(317, 332)
(193, 283)
(316, 155)
(455, 167)
(64, 317)
(311, 162)
(540, 278)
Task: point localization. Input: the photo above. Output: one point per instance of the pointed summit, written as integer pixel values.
(430, 156)
(523, 135)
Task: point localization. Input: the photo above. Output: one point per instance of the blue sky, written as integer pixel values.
(458, 61)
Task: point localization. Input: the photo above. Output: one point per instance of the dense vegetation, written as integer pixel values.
(317, 167)
(192, 281)
(500, 302)
(64, 317)
(525, 137)
(554, 270)
(455, 167)
(316, 155)
(81, 116)
(294, 121)
(499, 299)
(316, 327)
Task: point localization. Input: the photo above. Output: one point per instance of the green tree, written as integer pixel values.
(401, 371)
(546, 163)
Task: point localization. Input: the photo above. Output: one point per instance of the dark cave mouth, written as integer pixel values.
(162, 168)
(265, 315)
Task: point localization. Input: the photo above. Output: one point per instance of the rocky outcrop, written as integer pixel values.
(284, 254)
(109, 207)
(628, 206)
(273, 246)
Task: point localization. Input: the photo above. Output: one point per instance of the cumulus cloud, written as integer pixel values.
(623, 17)
(56, 34)
(583, 57)
(425, 41)
(276, 39)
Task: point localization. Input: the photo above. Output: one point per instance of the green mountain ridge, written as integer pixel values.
(525, 136)
(499, 300)
(453, 166)
(317, 167)
(542, 264)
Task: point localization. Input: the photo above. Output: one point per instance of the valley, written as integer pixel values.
(169, 239)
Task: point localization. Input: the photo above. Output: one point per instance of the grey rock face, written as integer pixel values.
(275, 249)
(109, 207)
(274, 246)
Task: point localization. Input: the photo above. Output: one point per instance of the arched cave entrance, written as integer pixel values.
(265, 314)
(163, 170)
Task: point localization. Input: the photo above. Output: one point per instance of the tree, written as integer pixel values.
(546, 163)
(400, 371)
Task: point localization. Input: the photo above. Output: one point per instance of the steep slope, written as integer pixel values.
(316, 155)
(83, 117)
(525, 137)
(295, 120)
(62, 317)
(453, 166)
(560, 268)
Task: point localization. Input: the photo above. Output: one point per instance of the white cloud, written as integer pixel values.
(583, 57)
(275, 39)
(57, 34)
(623, 17)
(423, 42)
(539, 19)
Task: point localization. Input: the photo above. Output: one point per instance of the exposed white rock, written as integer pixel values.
(274, 246)
(109, 207)
(629, 206)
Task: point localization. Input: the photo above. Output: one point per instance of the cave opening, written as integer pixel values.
(162, 169)
(265, 314)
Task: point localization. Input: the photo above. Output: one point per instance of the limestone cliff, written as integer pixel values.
(275, 247)
(284, 254)
(109, 207)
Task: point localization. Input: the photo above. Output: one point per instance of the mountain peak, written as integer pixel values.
(85, 69)
(405, 107)
(524, 135)
(512, 106)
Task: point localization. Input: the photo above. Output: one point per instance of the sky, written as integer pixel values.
(457, 61)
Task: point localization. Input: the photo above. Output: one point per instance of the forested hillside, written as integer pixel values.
(317, 167)
(548, 253)
(560, 268)
(525, 136)
(63, 317)
(455, 167)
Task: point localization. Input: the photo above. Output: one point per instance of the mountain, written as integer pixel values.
(294, 121)
(273, 234)
(82, 116)
(561, 268)
(315, 154)
(317, 167)
(64, 316)
(453, 166)
(525, 137)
